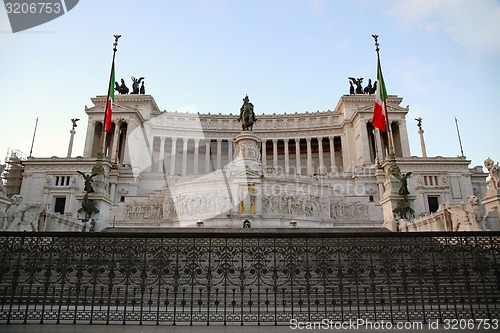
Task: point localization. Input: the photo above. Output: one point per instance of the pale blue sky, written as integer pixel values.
(442, 57)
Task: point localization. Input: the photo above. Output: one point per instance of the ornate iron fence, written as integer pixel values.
(247, 277)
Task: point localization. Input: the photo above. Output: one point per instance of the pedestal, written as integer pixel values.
(246, 172)
(102, 203)
(391, 202)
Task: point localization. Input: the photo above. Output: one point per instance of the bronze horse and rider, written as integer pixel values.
(247, 116)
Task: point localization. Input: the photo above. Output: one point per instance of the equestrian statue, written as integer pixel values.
(247, 116)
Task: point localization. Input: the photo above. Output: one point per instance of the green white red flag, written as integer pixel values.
(379, 110)
(109, 102)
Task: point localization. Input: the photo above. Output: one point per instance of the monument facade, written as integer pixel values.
(175, 169)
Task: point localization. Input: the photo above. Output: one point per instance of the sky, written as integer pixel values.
(441, 56)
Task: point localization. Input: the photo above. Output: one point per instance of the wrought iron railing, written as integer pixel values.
(248, 277)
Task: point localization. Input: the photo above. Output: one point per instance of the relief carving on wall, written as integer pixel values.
(297, 205)
(197, 205)
(148, 210)
(341, 210)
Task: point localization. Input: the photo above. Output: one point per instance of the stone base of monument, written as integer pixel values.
(390, 201)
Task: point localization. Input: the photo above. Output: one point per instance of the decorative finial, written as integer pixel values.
(376, 42)
(115, 44)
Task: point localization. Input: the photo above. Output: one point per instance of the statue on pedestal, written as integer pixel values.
(247, 115)
(88, 181)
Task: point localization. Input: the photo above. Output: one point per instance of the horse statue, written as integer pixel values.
(122, 89)
(135, 84)
(247, 116)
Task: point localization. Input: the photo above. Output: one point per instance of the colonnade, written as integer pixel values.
(305, 156)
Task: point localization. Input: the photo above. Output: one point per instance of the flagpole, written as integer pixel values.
(459, 139)
(101, 154)
(34, 133)
(387, 123)
(393, 168)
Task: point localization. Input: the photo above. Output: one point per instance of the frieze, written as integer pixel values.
(341, 210)
(305, 205)
(148, 210)
(197, 205)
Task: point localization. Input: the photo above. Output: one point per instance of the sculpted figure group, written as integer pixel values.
(356, 87)
(123, 89)
(22, 217)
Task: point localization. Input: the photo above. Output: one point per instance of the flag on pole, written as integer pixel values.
(379, 110)
(111, 98)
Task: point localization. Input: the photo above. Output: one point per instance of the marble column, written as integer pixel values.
(332, 155)
(162, 154)
(184, 155)
(173, 156)
(114, 145)
(264, 157)
(196, 155)
(89, 139)
(320, 153)
(112, 192)
(297, 156)
(309, 158)
(422, 142)
(287, 157)
(207, 155)
(229, 150)
(403, 136)
(365, 158)
(275, 153)
(151, 154)
(126, 152)
(70, 146)
(219, 154)
(380, 145)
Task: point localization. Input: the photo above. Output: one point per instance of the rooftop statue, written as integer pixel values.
(135, 84)
(368, 89)
(359, 90)
(247, 115)
(142, 91)
(122, 89)
(357, 83)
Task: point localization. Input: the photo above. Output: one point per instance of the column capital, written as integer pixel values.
(275, 140)
(197, 140)
(308, 140)
(297, 141)
(286, 140)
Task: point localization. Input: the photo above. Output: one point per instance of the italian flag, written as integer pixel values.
(379, 110)
(111, 98)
